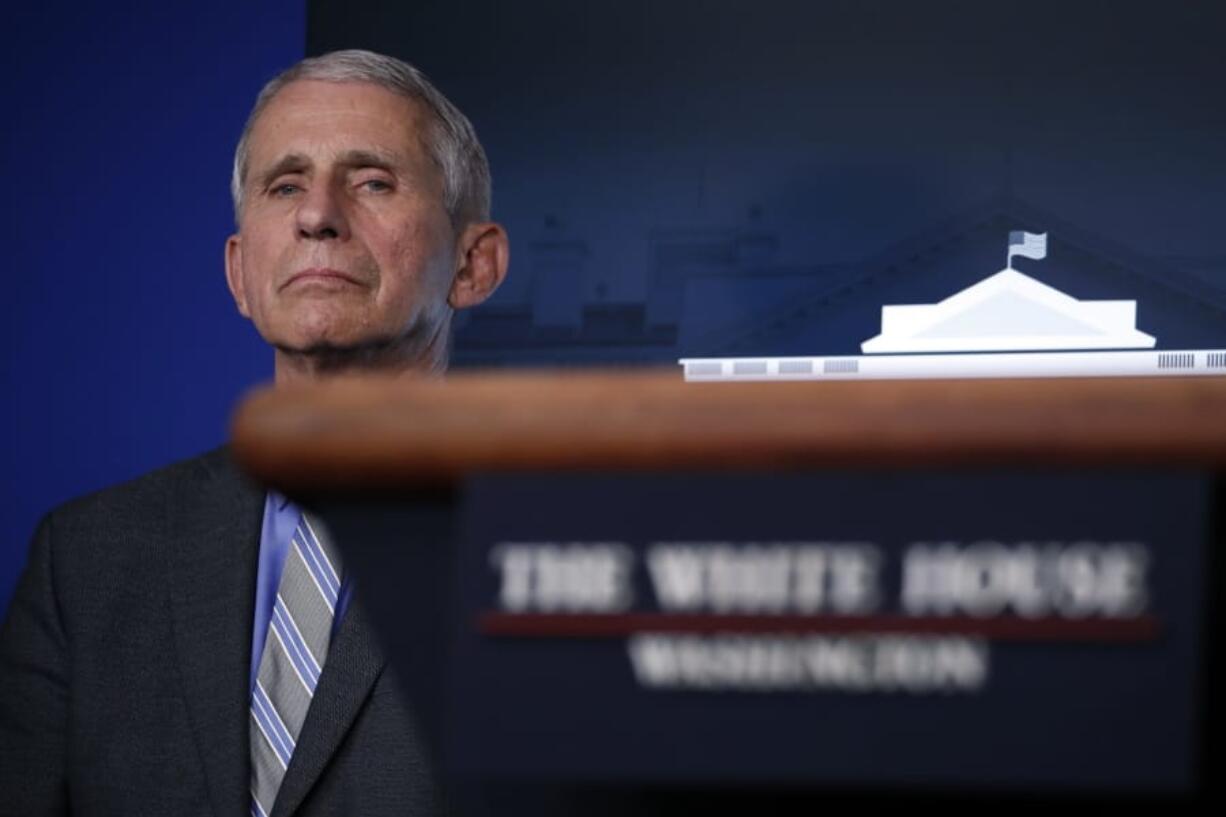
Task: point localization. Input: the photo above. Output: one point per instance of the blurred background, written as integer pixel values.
(123, 351)
(698, 178)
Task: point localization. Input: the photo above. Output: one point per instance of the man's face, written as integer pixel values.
(344, 241)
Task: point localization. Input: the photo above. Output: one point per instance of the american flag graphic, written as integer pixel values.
(1027, 245)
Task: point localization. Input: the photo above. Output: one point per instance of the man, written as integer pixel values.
(185, 643)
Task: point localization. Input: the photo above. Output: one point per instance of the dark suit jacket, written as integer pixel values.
(125, 659)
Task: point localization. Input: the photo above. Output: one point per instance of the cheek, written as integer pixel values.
(422, 259)
(261, 259)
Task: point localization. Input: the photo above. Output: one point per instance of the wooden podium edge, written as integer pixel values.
(357, 434)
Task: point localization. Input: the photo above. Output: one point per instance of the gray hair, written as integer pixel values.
(452, 143)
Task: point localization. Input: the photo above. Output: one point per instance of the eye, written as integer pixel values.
(376, 185)
(283, 189)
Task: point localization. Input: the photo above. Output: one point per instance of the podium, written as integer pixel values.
(614, 592)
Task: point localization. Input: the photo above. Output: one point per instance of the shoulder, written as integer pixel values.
(148, 496)
(130, 527)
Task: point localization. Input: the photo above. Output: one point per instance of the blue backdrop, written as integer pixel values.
(728, 178)
(123, 350)
(714, 178)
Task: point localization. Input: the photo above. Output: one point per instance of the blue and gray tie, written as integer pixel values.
(293, 657)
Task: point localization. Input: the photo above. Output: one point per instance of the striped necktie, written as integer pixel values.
(293, 658)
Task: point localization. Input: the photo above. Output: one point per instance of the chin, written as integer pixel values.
(327, 341)
(326, 329)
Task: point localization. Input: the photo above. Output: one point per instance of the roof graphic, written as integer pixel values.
(1008, 311)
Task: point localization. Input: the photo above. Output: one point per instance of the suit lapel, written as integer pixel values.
(215, 521)
(354, 663)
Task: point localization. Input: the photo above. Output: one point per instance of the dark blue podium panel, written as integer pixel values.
(1036, 629)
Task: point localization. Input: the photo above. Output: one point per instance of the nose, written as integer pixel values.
(321, 214)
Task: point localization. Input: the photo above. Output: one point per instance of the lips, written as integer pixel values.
(321, 275)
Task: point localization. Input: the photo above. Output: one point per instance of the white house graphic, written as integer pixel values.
(1007, 325)
(1008, 311)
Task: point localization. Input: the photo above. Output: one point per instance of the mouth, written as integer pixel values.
(325, 276)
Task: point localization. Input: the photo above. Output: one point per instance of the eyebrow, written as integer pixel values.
(369, 158)
(290, 163)
(298, 163)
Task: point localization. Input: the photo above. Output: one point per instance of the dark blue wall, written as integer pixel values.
(122, 349)
(741, 177)
(678, 178)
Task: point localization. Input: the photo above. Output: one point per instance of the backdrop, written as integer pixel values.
(722, 177)
(123, 351)
(710, 178)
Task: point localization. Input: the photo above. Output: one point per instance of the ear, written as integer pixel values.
(483, 253)
(234, 273)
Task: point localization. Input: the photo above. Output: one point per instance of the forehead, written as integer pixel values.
(319, 119)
